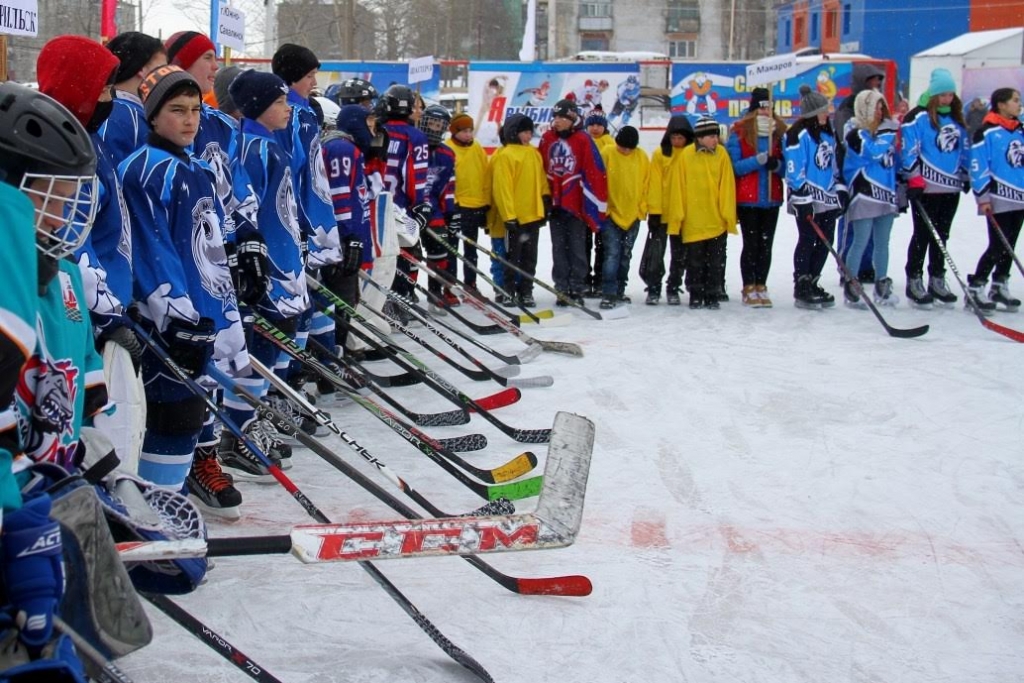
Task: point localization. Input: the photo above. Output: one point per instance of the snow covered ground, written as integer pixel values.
(776, 496)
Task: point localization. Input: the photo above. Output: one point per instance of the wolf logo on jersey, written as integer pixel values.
(46, 390)
(823, 155)
(286, 210)
(1015, 154)
(208, 252)
(948, 138)
(318, 172)
(889, 158)
(218, 161)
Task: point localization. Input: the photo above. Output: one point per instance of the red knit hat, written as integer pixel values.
(73, 70)
(185, 47)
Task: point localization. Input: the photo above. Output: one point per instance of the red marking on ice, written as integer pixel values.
(648, 532)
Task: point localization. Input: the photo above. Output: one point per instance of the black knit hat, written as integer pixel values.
(567, 108)
(134, 49)
(253, 91)
(628, 137)
(292, 62)
(757, 96)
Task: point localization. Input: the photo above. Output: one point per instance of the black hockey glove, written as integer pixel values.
(421, 214)
(190, 345)
(511, 227)
(352, 260)
(773, 165)
(250, 268)
(454, 221)
(844, 197)
(965, 182)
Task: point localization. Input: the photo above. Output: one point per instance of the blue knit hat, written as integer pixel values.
(254, 91)
(941, 82)
(596, 118)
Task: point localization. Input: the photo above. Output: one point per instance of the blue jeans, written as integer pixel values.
(876, 229)
(568, 252)
(618, 251)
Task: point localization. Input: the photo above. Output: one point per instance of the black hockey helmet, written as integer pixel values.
(399, 101)
(47, 154)
(434, 122)
(356, 91)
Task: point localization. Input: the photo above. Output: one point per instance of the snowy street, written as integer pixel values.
(776, 496)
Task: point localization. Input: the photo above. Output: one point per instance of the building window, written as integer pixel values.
(596, 9)
(595, 42)
(798, 32)
(683, 16)
(814, 27)
(682, 49)
(847, 11)
(831, 24)
(789, 37)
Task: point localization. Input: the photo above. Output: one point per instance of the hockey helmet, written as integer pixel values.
(399, 101)
(356, 91)
(330, 111)
(434, 122)
(47, 154)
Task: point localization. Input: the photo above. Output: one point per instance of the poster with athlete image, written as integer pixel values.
(499, 89)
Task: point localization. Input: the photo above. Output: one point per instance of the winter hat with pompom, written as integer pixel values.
(811, 103)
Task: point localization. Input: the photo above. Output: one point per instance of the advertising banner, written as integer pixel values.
(382, 74)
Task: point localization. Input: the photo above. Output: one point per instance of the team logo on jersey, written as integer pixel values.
(823, 156)
(948, 138)
(208, 251)
(46, 397)
(218, 161)
(67, 294)
(1015, 154)
(318, 172)
(562, 160)
(889, 158)
(286, 211)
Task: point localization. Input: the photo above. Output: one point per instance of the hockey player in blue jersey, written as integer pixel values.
(815, 193)
(52, 379)
(262, 99)
(183, 286)
(440, 193)
(627, 97)
(935, 159)
(125, 130)
(997, 177)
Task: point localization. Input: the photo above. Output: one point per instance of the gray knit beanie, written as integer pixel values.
(221, 83)
(811, 103)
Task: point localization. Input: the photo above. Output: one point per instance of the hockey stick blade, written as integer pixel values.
(463, 444)
(554, 524)
(508, 371)
(500, 399)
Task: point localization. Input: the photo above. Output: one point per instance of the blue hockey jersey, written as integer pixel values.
(997, 164)
(940, 155)
(216, 144)
(270, 173)
(125, 130)
(440, 185)
(351, 191)
(870, 163)
(301, 142)
(408, 158)
(812, 173)
(178, 254)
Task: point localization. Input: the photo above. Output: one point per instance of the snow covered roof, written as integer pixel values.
(623, 56)
(969, 42)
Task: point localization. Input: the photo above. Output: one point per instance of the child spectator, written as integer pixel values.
(472, 193)
(628, 170)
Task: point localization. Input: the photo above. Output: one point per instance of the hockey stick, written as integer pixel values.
(1007, 332)
(612, 314)
(897, 332)
(566, 348)
(483, 330)
(422, 315)
(565, 585)
(554, 524)
(105, 670)
(212, 639)
(449, 648)
(518, 466)
(482, 372)
(1006, 243)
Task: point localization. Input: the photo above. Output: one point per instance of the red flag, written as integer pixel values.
(108, 20)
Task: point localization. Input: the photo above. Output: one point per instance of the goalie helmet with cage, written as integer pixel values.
(399, 101)
(434, 122)
(47, 154)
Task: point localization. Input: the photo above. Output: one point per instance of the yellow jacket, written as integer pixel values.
(518, 184)
(628, 176)
(472, 183)
(709, 194)
(665, 189)
(604, 142)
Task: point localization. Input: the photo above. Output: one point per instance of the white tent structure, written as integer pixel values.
(981, 49)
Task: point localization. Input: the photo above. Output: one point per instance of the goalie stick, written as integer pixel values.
(447, 646)
(566, 348)
(104, 670)
(519, 465)
(554, 524)
(1007, 332)
(898, 332)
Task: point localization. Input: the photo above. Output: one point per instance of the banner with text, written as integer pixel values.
(381, 74)
(231, 28)
(19, 17)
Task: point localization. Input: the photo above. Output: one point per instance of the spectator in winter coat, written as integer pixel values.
(678, 134)
(815, 194)
(628, 171)
(579, 195)
(935, 161)
(519, 189)
(755, 148)
(472, 193)
(975, 116)
(997, 176)
(869, 166)
(708, 211)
